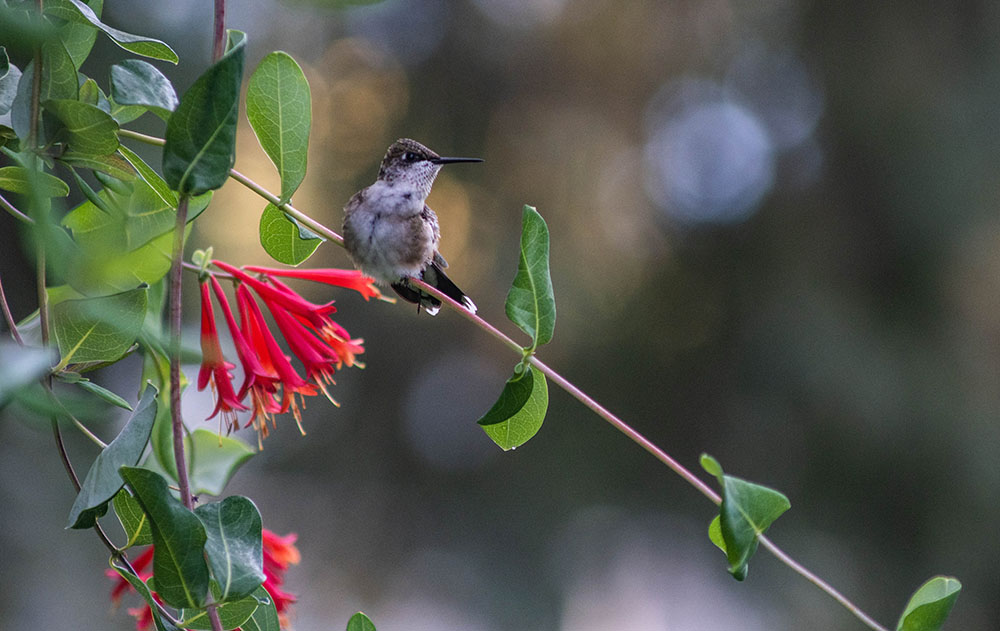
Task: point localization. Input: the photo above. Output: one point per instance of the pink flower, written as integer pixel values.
(214, 367)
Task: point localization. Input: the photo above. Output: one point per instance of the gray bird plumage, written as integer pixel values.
(390, 232)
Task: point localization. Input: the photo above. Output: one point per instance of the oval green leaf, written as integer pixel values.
(200, 139)
(747, 511)
(136, 82)
(518, 413)
(178, 537)
(360, 622)
(265, 617)
(79, 38)
(105, 394)
(234, 548)
(23, 181)
(109, 164)
(531, 303)
(279, 108)
(284, 239)
(8, 88)
(133, 519)
(930, 605)
(98, 329)
(150, 176)
(91, 130)
(103, 480)
(78, 12)
(214, 460)
(231, 615)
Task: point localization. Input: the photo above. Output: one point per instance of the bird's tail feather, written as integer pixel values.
(435, 277)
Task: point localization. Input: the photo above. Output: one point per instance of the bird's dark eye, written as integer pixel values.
(409, 156)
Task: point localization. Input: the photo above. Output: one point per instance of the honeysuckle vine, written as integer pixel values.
(213, 565)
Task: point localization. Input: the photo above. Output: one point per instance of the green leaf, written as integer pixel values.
(214, 460)
(92, 131)
(282, 238)
(265, 617)
(200, 144)
(930, 605)
(715, 533)
(59, 75)
(747, 511)
(79, 38)
(231, 614)
(518, 413)
(109, 164)
(279, 108)
(8, 86)
(129, 246)
(179, 539)
(22, 366)
(133, 519)
(98, 329)
(21, 180)
(162, 440)
(78, 12)
(711, 465)
(234, 548)
(531, 304)
(90, 92)
(360, 622)
(4, 62)
(151, 177)
(104, 394)
(59, 81)
(136, 82)
(143, 589)
(103, 481)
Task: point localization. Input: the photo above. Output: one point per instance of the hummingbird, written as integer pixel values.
(391, 233)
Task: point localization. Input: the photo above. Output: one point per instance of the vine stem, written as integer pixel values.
(43, 307)
(14, 212)
(218, 49)
(818, 582)
(176, 422)
(9, 317)
(559, 380)
(219, 34)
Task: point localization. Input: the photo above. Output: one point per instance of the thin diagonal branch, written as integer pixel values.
(14, 212)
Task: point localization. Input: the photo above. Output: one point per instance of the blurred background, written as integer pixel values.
(775, 239)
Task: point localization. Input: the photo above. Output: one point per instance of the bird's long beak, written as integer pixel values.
(454, 160)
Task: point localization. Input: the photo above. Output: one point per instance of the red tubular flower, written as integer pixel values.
(279, 553)
(351, 279)
(214, 367)
(272, 357)
(318, 359)
(291, 301)
(332, 333)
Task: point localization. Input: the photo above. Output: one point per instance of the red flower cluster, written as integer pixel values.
(279, 553)
(321, 344)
